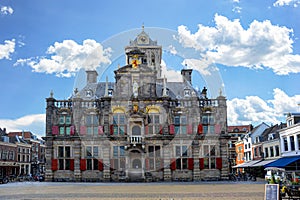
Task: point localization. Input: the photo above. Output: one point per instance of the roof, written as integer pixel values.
(239, 128)
(283, 162)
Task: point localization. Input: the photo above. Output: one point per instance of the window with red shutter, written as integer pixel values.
(201, 163)
(219, 163)
(55, 130)
(72, 130)
(200, 129)
(191, 163)
(54, 164)
(172, 129)
(111, 129)
(82, 164)
(146, 130)
(100, 165)
(173, 164)
(82, 130)
(100, 130)
(72, 164)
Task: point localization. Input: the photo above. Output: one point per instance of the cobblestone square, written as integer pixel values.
(122, 191)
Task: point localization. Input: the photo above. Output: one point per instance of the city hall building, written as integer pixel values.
(140, 127)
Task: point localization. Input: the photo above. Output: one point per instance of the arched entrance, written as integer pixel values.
(136, 171)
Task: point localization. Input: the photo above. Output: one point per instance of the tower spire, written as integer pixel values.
(106, 87)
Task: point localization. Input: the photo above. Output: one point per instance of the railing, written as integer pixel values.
(208, 102)
(136, 139)
(70, 104)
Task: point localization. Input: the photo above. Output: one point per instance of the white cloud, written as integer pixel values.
(280, 3)
(255, 110)
(68, 57)
(171, 75)
(172, 50)
(262, 45)
(6, 10)
(34, 123)
(201, 66)
(7, 49)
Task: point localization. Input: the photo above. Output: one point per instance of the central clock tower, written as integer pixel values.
(151, 52)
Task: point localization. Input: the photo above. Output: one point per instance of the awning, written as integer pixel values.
(246, 164)
(263, 163)
(283, 162)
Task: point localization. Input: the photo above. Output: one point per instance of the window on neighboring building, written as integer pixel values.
(154, 157)
(209, 154)
(118, 161)
(181, 157)
(119, 124)
(285, 143)
(180, 123)
(271, 152)
(266, 152)
(91, 154)
(64, 156)
(292, 143)
(276, 150)
(153, 124)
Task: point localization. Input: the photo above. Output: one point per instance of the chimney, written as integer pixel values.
(91, 76)
(187, 75)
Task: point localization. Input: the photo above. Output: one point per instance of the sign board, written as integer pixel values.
(272, 192)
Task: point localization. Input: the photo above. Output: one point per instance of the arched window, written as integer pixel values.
(136, 130)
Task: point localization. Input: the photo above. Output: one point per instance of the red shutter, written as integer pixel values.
(146, 130)
(172, 129)
(82, 164)
(191, 163)
(100, 165)
(72, 164)
(218, 128)
(54, 130)
(160, 129)
(100, 130)
(111, 129)
(173, 164)
(201, 163)
(54, 164)
(200, 129)
(219, 163)
(147, 164)
(82, 130)
(72, 130)
(189, 129)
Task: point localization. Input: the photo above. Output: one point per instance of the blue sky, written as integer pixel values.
(254, 44)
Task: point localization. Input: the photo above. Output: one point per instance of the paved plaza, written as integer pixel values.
(121, 191)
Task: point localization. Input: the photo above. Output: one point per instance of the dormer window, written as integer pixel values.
(89, 93)
(110, 92)
(271, 136)
(187, 92)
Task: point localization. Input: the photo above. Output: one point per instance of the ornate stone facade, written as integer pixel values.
(139, 127)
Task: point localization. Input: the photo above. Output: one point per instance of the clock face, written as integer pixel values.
(143, 39)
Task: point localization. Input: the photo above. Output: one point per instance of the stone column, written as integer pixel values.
(195, 154)
(106, 161)
(167, 158)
